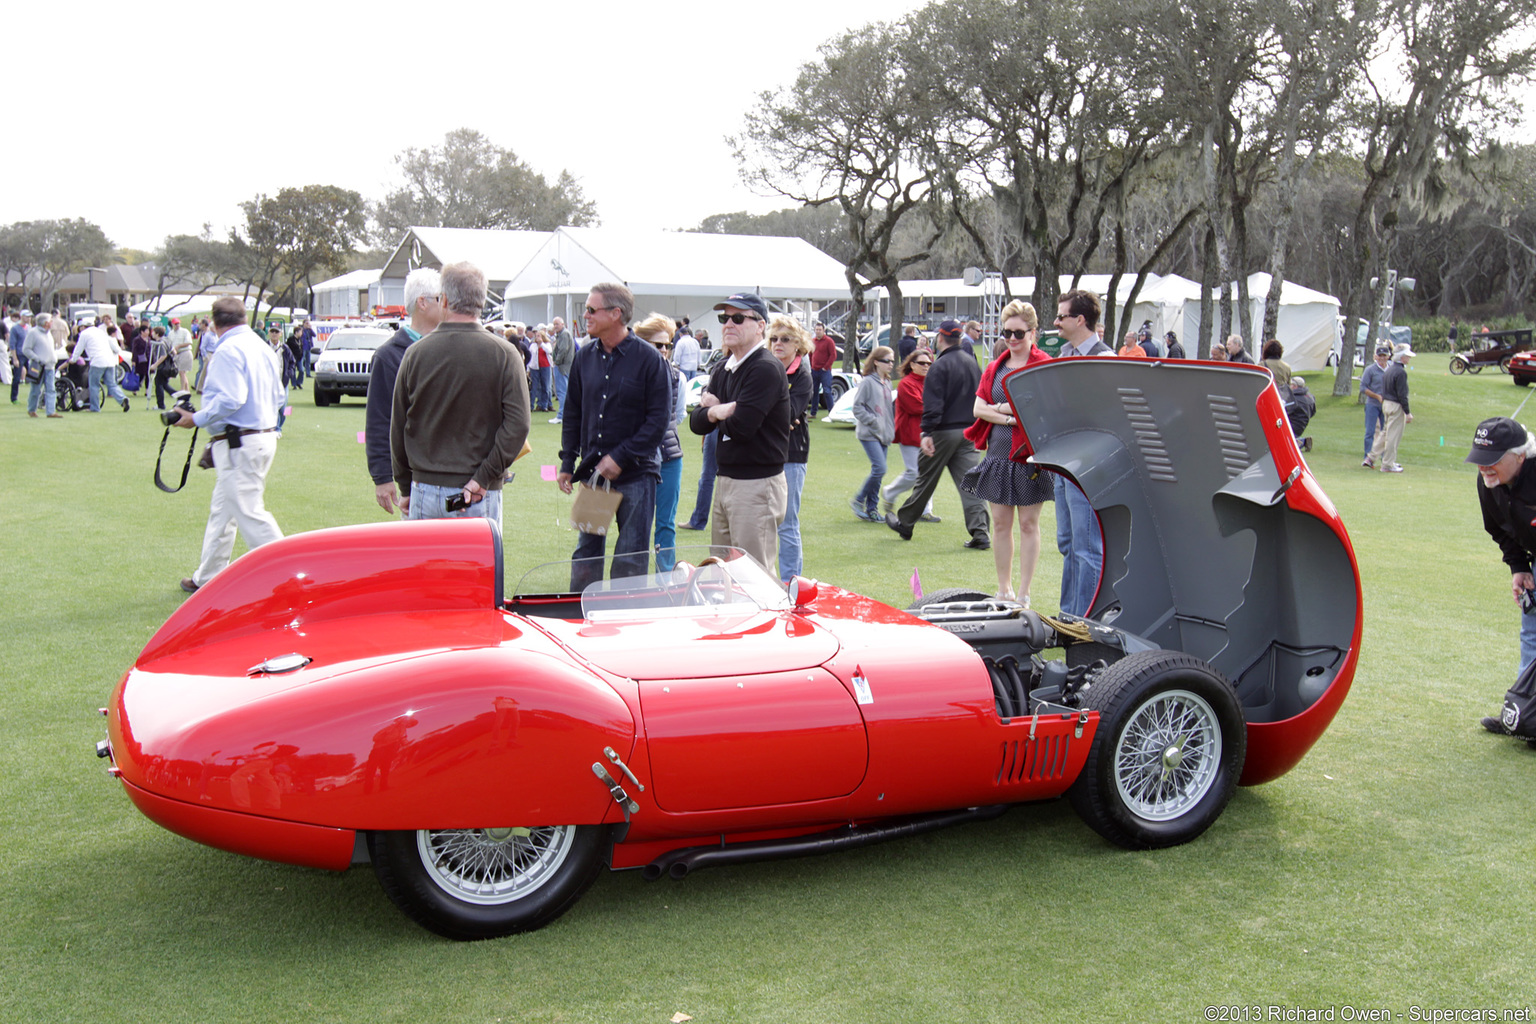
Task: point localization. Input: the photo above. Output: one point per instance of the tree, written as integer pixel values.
(846, 134)
(1437, 111)
(299, 230)
(64, 247)
(20, 253)
(468, 182)
(193, 263)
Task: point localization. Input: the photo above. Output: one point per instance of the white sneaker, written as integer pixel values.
(1394, 468)
(555, 419)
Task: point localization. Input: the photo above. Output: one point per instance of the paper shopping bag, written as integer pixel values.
(593, 510)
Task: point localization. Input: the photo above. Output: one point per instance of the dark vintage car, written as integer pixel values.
(371, 694)
(1522, 367)
(1491, 348)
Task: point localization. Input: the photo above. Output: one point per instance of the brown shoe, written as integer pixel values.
(55, 416)
(189, 585)
(32, 414)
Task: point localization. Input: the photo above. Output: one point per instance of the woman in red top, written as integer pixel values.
(909, 428)
(1003, 478)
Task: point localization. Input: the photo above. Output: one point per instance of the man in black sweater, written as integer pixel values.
(949, 397)
(747, 404)
(423, 289)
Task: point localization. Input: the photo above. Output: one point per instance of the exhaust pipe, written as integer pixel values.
(679, 863)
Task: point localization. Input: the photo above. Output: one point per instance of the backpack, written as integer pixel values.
(1519, 713)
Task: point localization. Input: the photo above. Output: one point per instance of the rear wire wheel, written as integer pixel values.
(481, 883)
(1167, 754)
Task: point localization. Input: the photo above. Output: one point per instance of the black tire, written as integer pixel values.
(1167, 754)
(1458, 367)
(323, 397)
(1523, 382)
(1475, 367)
(839, 389)
(66, 396)
(947, 595)
(1504, 364)
(484, 883)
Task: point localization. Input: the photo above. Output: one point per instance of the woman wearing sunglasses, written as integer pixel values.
(1012, 488)
(657, 330)
(791, 345)
(909, 430)
(874, 412)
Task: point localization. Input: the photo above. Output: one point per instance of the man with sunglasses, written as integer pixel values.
(1077, 525)
(747, 406)
(618, 402)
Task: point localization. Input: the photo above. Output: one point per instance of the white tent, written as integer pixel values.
(182, 306)
(1307, 324)
(500, 255)
(679, 273)
(345, 296)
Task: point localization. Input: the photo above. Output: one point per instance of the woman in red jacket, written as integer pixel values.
(909, 429)
(1003, 478)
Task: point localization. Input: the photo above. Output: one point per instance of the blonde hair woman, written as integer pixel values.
(1012, 489)
(790, 344)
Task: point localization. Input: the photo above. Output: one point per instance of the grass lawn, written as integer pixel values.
(1384, 871)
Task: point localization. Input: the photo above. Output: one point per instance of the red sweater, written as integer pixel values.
(909, 410)
(983, 428)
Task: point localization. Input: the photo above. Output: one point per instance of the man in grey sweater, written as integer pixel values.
(460, 413)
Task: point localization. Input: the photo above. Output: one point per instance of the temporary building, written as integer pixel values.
(500, 255)
(1307, 326)
(347, 295)
(679, 273)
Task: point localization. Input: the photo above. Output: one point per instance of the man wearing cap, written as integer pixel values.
(1502, 451)
(1371, 383)
(954, 331)
(1394, 413)
(618, 403)
(746, 404)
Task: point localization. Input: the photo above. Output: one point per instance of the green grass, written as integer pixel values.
(1388, 869)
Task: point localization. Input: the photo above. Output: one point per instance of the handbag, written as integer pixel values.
(592, 511)
(131, 381)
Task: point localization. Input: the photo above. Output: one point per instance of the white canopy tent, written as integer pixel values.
(500, 255)
(679, 273)
(347, 295)
(1307, 326)
(183, 306)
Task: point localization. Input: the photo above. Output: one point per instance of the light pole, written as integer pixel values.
(1389, 288)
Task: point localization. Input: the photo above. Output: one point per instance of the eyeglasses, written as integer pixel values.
(1007, 334)
(774, 339)
(600, 309)
(1065, 316)
(736, 318)
(887, 360)
(663, 345)
(923, 362)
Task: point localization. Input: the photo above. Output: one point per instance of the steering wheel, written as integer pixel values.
(694, 594)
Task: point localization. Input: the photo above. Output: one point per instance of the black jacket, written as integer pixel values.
(801, 388)
(754, 440)
(949, 392)
(1508, 512)
(1394, 387)
(381, 398)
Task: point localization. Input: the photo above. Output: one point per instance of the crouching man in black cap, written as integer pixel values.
(1502, 451)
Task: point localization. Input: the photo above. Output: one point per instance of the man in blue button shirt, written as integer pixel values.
(241, 397)
(617, 406)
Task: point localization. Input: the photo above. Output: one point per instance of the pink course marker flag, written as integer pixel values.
(360, 438)
(547, 472)
(917, 585)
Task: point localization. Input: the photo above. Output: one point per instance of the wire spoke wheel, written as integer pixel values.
(1168, 755)
(489, 866)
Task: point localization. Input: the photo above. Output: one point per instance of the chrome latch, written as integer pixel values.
(1082, 720)
(1295, 473)
(615, 790)
(614, 757)
(280, 664)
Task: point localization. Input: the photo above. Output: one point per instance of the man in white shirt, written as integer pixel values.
(242, 392)
(685, 355)
(102, 353)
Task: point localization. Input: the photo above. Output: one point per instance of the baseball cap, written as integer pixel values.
(745, 300)
(949, 327)
(1383, 349)
(175, 322)
(1493, 438)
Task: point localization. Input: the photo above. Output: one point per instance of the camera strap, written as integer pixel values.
(185, 469)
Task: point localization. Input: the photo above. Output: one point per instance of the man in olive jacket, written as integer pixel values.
(460, 413)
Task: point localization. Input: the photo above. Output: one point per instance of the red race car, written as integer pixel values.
(370, 694)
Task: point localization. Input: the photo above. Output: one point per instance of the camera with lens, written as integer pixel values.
(179, 401)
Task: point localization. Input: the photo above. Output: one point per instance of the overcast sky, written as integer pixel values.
(633, 99)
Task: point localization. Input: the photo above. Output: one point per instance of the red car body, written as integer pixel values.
(372, 687)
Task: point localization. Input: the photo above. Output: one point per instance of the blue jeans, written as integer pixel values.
(706, 495)
(869, 493)
(1081, 547)
(1373, 421)
(821, 389)
(560, 379)
(1527, 639)
(667, 492)
(538, 381)
(428, 502)
(632, 522)
(789, 530)
(46, 384)
(98, 375)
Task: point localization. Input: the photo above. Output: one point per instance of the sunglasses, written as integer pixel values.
(776, 338)
(885, 360)
(1007, 335)
(593, 311)
(736, 318)
(663, 344)
(923, 362)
